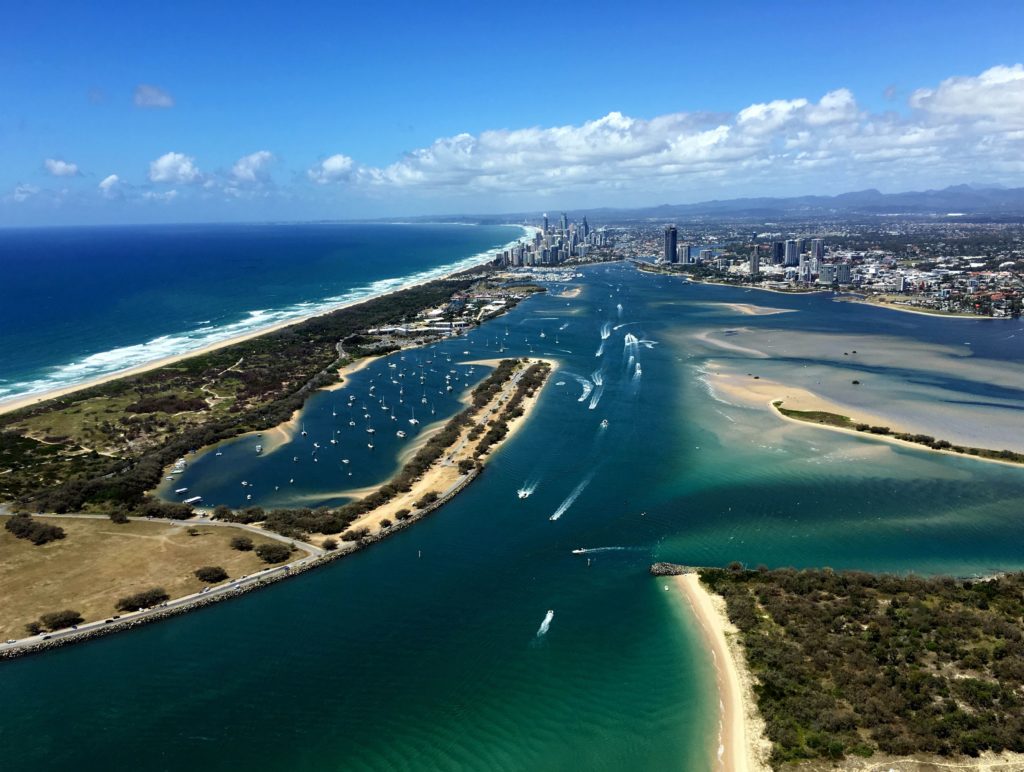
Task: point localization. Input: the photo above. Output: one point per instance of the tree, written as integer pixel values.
(330, 544)
(58, 620)
(385, 523)
(118, 516)
(241, 543)
(144, 599)
(211, 574)
(221, 512)
(273, 552)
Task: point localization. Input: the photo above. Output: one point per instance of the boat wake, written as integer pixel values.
(587, 388)
(571, 499)
(624, 324)
(606, 330)
(600, 350)
(545, 625)
(597, 550)
(528, 488)
(596, 398)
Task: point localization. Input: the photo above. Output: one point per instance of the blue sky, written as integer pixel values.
(248, 111)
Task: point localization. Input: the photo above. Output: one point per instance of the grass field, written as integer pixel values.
(99, 562)
(816, 416)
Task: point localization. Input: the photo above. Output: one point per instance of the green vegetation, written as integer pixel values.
(854, 663)
(330, 544)
(107, 445)
(211, 574)
(241, 543)
(274, 552)
(25, 527)
(834, 419)
(144, 599)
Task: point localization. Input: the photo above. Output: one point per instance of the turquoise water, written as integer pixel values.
(423, 652)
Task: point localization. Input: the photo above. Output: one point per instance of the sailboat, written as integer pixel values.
(303, 429)
(413, 420)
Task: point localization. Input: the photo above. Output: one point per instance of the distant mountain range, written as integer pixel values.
(976, 200)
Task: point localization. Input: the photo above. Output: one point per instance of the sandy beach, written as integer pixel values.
(18, 402)
(741, 745)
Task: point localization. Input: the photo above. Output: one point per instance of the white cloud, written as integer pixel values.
(147, 95)
(963, 125)
(998, 93)
(335, 168)
(253, 168)
(22, 193)
(110, 186)
(164, 196)
(59, 168)
(174, 168)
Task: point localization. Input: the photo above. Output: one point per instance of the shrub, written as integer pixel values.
(144, 599)
(428, 498)
(58, 620)
(211, 574)
(384, 523)
(402, 514)
(24, 526)
(241, 543)
(330, 544)
(119, 516)
(273, 552)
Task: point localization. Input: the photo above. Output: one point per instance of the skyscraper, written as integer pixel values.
(843, 273)
(778, 253)
(755, 262)
(817, 248)
(671, 255)
(564, 222)
(586, 228)
(792, 253)
(683, 250)
(545, 222)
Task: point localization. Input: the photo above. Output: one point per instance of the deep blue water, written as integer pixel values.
(77, 303)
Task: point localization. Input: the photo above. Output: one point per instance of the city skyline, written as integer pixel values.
(152, 132)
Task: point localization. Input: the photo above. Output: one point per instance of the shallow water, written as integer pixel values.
(422, 652)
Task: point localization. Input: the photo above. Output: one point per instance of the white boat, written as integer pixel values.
(399, 433)
(369, 445)
(193, 500)
(344, 460)
(604, 423)
(316, 444)
(303, 429)
(370, 430)
(579, 551)
(179, 491)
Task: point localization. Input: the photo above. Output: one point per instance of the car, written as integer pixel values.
(107, 621)
(46, 637)
(11, 640)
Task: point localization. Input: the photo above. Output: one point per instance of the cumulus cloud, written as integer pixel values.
(174, 168)
(960, 125)
(253, 168)
(147, 95)
(335, 168)
(996, 93)
(59, 168)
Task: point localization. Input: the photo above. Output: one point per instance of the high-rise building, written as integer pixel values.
(792, 253)
(683, 251)
(755, 262)
(843, 273)
(671, 255)
(817, 248)
(705, 256)
(545, 222)
(778, 253)
(826, 273)
(563, 221)
(586, 228)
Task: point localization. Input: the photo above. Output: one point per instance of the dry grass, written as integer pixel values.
(99, 562)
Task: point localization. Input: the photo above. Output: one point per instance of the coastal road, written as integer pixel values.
(228, 588)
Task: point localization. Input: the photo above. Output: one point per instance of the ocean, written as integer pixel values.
(80, 303)
(429, 650)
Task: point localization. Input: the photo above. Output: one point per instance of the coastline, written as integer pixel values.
(17, 402)
(741, 744)
(314, 555)
(933, 314)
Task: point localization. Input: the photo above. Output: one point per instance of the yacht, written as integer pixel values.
(400, 434)
(259, 449)
(604, 423)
